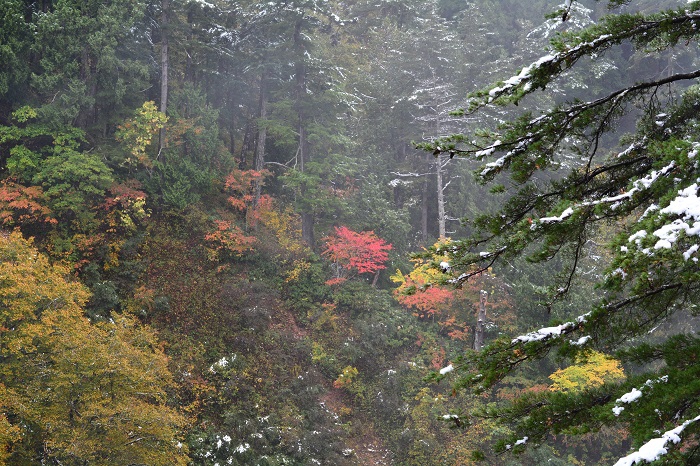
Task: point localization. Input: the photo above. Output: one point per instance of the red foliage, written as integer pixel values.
(335, 281)
(124, 194)
(22, 204)
(361, 252)
(427, 301)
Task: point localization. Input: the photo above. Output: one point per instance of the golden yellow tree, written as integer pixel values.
(592, 371)
(76, 392)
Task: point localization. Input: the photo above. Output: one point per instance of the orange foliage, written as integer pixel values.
(421, 292)
(228, 239)
(22, 204)
(241, 184)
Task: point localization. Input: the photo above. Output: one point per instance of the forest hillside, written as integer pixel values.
(320, 232)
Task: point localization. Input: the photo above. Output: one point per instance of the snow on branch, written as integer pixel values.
(552, 332)
(656, 447)
(635, 394)
(557, 63)
(615, 201)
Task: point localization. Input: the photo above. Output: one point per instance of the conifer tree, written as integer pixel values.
(644, 185)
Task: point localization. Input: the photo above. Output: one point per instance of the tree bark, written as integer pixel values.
(424, 208)
(440, 197)
(262, 133)
(480, 321)
(164, 64)
(307, 218)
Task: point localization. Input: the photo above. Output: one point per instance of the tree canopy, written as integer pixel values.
(74, 392)
(572, 171)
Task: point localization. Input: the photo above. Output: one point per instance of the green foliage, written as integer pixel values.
(14, 43)
(74, 183)
(644, 190)
(340, 101)
(90, 63)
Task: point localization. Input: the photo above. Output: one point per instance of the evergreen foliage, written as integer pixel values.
(645, 187)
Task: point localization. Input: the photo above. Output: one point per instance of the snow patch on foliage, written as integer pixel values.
(543, 333)
(522, 441)
(488, 151)
(614, 201)
(687, 206)
(447, 369)
(635, 394)
(222, 363)
(524, 75)
(629, 397)
(581, 341)
(656, 447)
(692, 250)
(567, 213)
(547, 332)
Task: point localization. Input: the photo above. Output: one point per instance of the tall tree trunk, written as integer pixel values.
(307, 218)
(87, 116)
(262, 136)
(424, 208)
(440, 197)
(480, 321)
(440, 187)
(164, 63)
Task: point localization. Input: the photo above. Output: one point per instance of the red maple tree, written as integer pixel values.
(353, 252)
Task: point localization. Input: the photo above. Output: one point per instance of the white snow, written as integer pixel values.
(522, 441)
(524, 74)
(543, 333)
(656, 447)
(488, 151)
(687, 206)
(637, 237)
(565, 214)
(634, 395)
(692, 250)
(546, 332)
(447, 369)
(581, 341)
(242, 448)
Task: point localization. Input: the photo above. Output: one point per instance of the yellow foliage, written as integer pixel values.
(593, 371)
(346, 377)
(299, 267)
(424, 270)
(138, 132)
(77, 392)
(286, 227)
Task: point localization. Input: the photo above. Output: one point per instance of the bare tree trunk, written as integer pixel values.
(424, 208)
(164, 64)
(262, 134)
(480, 321)
(440, 187)
(440, 197)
